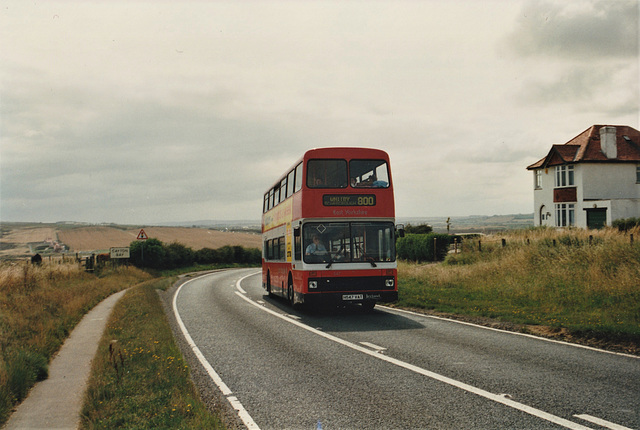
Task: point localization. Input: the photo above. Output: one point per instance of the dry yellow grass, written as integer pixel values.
(583, 280)
(39, 306)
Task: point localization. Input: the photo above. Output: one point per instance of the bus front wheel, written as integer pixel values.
(290, 296)
(269, 293)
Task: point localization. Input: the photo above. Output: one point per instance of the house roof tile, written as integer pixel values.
(585, 147)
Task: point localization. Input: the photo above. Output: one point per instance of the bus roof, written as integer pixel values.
(346, 152)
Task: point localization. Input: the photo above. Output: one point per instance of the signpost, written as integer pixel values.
(121, 252)
(142, 236)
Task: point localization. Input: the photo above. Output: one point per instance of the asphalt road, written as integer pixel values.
(282, 368)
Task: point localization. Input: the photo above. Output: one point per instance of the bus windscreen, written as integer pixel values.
(347, 242)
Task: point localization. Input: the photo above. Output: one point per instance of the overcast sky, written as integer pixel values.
(144, 112)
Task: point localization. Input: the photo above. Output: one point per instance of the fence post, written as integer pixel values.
(435, 249)
(631, 238)
(479, 245)
(504, 242)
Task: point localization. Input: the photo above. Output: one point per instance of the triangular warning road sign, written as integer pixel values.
(142, 235)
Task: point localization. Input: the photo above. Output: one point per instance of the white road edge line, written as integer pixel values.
(576, 345)
(374, 346)
(466, 387)
(235, 403)
(601, 422)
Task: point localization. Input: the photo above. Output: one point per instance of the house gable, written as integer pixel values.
(586, 148)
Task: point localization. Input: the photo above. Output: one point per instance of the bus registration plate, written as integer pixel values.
(352, 297)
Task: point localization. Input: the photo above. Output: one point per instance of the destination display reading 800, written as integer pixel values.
(349, 200)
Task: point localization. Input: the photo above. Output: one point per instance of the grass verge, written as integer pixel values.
(39, 306)
(139, 378)
(579, 286)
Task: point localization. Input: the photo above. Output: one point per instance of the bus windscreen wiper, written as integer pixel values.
(372, 261)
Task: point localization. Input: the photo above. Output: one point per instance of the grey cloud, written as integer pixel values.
(100, 154)
(583, 29)
(571, 85)
(604, 89)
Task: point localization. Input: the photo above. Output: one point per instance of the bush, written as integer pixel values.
(178, 255)
(418, 229)
(423, 247)
(626, 224)
(207, 256)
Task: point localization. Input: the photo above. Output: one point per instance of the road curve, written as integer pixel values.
(387, 369)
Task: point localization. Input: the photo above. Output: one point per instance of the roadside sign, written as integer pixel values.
(142, 235)
(122, 252)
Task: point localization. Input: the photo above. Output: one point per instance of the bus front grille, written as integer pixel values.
(360, 283)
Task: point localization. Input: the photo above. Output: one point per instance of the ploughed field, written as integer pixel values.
(19, 240)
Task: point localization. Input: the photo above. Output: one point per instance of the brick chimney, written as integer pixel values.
(608, 144)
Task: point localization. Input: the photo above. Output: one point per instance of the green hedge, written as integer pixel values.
(156, 255)
(423, 247)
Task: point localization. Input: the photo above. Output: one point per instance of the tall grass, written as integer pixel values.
(585, 281)
(139, 378)
(39, 306)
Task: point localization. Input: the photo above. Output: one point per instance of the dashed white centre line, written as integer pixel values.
(466, 387)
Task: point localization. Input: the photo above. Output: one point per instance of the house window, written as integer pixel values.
(638, 174)
(565, 215)
(538, 179)
(564, 176)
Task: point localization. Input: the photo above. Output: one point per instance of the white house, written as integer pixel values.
(590, 181)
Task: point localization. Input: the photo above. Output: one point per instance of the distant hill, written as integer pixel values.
(19, 240)
(473, 224)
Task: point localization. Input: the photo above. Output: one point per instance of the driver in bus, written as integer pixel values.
(316, 247)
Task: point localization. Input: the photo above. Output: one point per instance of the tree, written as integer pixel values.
(147, 253)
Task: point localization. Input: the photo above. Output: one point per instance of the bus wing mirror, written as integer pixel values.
(400, 230)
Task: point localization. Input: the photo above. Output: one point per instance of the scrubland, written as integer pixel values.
(578, 283)
(39, 306)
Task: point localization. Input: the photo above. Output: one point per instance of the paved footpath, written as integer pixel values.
(55, 403)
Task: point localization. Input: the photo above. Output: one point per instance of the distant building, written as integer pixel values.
(590, 181)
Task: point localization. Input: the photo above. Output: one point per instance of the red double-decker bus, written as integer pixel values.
(328, 230)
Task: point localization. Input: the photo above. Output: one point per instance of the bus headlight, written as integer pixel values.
(388, 283)
(313, 284)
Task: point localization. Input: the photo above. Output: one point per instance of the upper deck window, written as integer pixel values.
(298, 185)
(327, 174)
(369, 173)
